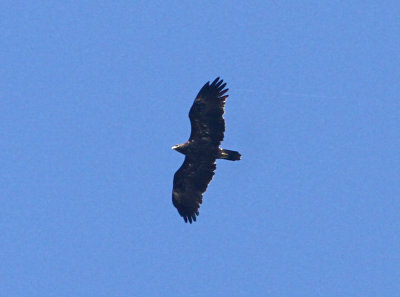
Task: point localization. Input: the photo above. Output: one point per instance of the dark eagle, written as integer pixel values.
(201, 150)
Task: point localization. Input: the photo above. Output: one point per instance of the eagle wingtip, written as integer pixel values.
(191, 218)
(217, 81)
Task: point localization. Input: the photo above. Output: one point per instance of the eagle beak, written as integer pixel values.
(174, 147)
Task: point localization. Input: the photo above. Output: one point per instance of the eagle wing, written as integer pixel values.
(190, 182)
(206, 113)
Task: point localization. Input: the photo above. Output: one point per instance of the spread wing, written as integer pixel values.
(190, 182)
(206, 113)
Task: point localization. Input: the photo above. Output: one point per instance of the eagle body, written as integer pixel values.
(201, 150)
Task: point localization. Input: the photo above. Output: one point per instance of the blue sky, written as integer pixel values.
(94, 94)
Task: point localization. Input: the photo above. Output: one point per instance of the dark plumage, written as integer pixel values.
(201, 150)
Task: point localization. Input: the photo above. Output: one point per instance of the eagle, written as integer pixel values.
(201, 150)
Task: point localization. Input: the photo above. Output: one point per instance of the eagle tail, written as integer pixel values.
(230, 155)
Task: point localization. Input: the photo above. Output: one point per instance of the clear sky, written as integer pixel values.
(94, 94)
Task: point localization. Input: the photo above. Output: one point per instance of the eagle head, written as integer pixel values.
(180, 148)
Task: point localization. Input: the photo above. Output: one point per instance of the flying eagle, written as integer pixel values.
(201, 150)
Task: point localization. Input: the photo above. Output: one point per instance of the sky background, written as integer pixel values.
(94, 94)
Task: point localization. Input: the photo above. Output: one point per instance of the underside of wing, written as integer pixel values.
(190, 182)
(206, 113)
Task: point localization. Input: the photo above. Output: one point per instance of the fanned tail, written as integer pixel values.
(230, 155)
